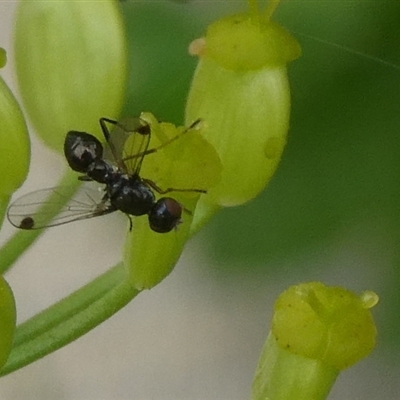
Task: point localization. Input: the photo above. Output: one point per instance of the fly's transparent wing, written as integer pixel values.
(129, 140)
(39, 209)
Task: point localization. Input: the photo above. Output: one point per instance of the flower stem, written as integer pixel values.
(282, 375)
(270, 10)
(254, 7)
(70, 318)
(23, 239)
(4, 200)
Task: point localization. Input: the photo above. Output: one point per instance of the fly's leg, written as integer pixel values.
(130, 222)
(155, 187)
(155, 149)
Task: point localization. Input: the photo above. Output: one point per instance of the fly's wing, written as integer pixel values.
(129, 139)
(52, 207)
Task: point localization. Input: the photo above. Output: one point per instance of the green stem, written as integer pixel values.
(70, 318)
(254, 8)
(23, 239)
(270, 10)
(283, 375)
(254, 11)
(4, 200)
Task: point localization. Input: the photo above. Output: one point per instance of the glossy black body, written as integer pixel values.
(124, 191)
(162, 216)
(120, 173)
(81, 150)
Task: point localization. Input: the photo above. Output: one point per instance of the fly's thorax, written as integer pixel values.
(131, 195)
(103, 172)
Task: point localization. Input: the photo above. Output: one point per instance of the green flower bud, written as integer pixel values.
(7, 320)
(316, 332)
(14, 147)
(241, 90)
(240, 42)
(330, 324)
(149, 256)
(71, 64)
(189, 162)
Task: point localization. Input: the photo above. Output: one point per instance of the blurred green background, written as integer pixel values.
(338, 183)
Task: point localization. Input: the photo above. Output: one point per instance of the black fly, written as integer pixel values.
(125, 190)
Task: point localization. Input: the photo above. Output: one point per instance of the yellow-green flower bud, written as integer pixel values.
(189, 162)
(317, 331)
(71, 64)
(330, 324)
(241, 42)
(241, 90)
(14, 147)
(7, 320)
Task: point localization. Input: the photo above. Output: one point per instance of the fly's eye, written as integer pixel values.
(165, 215)
(81, 149)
